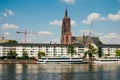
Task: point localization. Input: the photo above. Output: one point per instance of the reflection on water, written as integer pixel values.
(59, 72)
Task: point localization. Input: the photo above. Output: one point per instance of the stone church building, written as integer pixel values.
(66, 34)
(66, 37)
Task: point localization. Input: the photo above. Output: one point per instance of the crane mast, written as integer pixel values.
(25, 34)
(90, 34)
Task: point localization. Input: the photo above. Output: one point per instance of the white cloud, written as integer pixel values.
(69, 1)
(98, 34)
(5, 14)
(29, 40)
(45, 33)
(102, 18)
(10, 12)
(73, 23)
(111, 38)
(114, 17)
(118, 0)
(87, 32)
(92, 16)
(97, 16)
(56, 23)
(7, 34)
(59, 23)
(9, 26)
(55, 41)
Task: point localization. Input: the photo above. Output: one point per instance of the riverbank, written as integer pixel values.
(14, 61)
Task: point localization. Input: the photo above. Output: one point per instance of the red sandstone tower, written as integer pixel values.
(66, 37)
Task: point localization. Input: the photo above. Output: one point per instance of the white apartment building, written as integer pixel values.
(110, 49)
(53, 50)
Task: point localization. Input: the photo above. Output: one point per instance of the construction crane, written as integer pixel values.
(90, 34)
(25, 34)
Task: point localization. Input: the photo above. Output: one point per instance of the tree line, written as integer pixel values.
(13, 55)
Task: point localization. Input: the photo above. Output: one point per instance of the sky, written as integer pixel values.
(42, 19)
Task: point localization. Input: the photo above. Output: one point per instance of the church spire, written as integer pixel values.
(66, 37)
(66, 13)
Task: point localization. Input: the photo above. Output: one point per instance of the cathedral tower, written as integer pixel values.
(66, 36)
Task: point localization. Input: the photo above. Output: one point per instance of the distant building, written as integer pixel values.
(86, 39)
(3, 40)
(66, 36)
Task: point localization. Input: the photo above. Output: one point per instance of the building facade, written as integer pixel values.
(54, 50)
(51, 50)
(66, 36)
(110, 49)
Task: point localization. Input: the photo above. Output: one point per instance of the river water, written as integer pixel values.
(59, 71)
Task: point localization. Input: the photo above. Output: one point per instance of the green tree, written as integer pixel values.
(71, 50)
(99, 52)
(117, 52)
(91, 51)
(11, 42)
(25, 55)
(108, 54)
(12, 54)
(40, 54)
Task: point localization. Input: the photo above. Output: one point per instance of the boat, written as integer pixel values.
(108, 59)
(62, 60)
